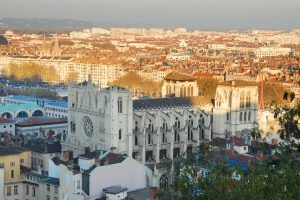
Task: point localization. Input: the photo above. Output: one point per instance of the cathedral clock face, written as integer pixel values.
(88, 126)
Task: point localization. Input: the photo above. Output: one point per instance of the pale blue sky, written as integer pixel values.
(205, 14)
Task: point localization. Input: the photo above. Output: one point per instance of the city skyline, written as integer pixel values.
(215, 14)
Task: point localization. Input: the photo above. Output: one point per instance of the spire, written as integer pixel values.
(56, 49)
(90, 79)
(261, 101)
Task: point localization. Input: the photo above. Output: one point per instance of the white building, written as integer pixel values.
(272, 51)
(42, 127)
(7, 126)
(34, 107)
(101, 72)
(177, 57)
(98, 171)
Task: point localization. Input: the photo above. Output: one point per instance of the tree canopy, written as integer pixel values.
(272, 179)
(138, 85)
(32, 72)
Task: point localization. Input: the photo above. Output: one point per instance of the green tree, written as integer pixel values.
(288, 120)
(271, 179)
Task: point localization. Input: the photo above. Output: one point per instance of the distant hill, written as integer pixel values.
(61, 24)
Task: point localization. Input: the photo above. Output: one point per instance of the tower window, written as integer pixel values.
(12, 173)
(248, 100)
(135, 140)
(242, 100)
(120, 105)
(120, 134)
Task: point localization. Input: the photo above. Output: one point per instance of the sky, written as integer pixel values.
(200, 14)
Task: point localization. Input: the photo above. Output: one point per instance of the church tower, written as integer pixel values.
(100, 119)
(46, 50)
(56, 51)
(236, 109)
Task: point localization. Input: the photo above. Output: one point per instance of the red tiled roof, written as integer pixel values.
(237, 141)
(4, 120)
(41, 121)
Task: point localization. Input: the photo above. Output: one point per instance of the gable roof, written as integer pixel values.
(175, 76)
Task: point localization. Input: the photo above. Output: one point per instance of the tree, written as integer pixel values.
(32, 72)
(270, 179)
(138, 85)
(207, 86)
(288, 120)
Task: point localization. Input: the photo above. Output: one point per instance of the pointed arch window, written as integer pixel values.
(242, 100)
(248, 100)
(176, 137)
(163, 183)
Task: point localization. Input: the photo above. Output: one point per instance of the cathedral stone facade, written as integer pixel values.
(155, 130)
(236, 109)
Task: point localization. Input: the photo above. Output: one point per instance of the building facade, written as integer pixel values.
(236, 109)
(179, 85)
(155, 131)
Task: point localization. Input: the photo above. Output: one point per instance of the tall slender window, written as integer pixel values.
(120, 105)
(248, 100)
(164, 139)
(242, 100)
(249, 116)
(120, 134)
(136, 140)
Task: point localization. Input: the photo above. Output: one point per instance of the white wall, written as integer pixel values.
(129, 173)
(119, 196)
(1, 183)
(85, 163)
(7, 127)
(53, 169)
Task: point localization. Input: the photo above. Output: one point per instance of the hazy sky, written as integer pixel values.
(205, 14)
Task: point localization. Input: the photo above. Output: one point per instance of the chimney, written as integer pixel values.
(68, 155)
(153, 193)
(260, 155)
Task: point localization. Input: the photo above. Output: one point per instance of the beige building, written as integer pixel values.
(101, 73)
(14, 160)
(179, 85)
(272, 51)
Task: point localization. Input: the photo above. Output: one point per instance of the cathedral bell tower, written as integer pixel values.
(100, 119)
